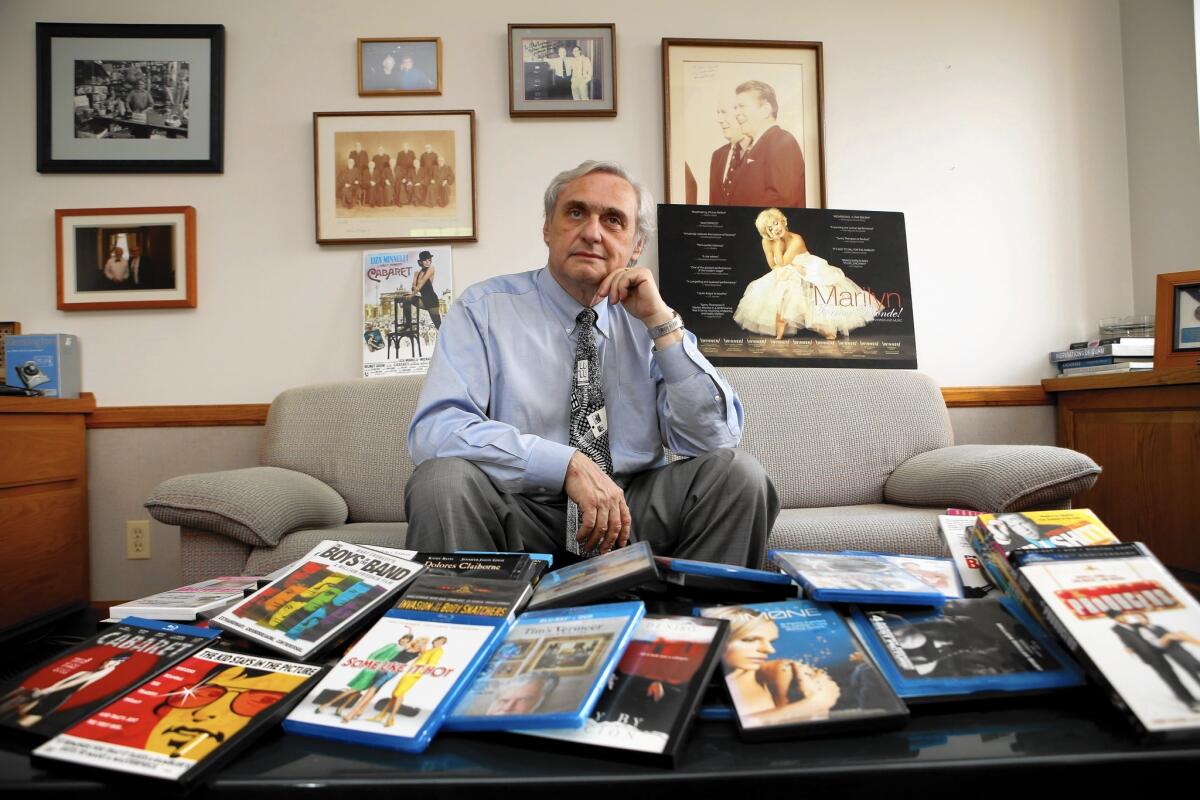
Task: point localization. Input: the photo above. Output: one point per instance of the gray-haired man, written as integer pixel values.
(542, 423)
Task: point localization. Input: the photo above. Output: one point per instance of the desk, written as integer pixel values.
(1144, 430)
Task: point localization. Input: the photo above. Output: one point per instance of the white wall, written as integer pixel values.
(997, 127)
(1158, 44)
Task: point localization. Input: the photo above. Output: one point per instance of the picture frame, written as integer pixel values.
(412, 60)
(154, 268)
(568, 655)
(1177, 320)
(778, 160)
(130, 98)
(7, 328)
(351, 206)
(562, 70)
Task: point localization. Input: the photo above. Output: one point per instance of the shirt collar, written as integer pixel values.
(563, 308)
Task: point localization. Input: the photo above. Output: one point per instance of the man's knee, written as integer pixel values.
(738, 470)
(446, 478)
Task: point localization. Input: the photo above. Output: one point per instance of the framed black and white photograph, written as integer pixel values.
(399, 66)
(743, 123)
(119, 258)
(1177, 320)
(562, 70)
(394, 176)
(130, 98)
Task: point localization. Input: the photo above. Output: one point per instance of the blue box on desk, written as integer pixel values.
(48, 362)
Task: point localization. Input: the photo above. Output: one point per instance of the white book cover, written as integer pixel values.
(312, 605)
(186, 602)
(1139, 627)
(955, 532)
(397, 552)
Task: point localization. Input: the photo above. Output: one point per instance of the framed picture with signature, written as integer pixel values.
(562, 70)
(743, 123)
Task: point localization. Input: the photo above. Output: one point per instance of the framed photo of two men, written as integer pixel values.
(562, 70)
(743, 123)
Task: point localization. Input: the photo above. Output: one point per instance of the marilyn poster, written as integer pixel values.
(406, 292)
(790, 287)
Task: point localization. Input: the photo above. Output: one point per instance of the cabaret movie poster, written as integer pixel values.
(406, 294)
(790, 287)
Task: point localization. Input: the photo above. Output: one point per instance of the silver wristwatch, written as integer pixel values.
(673, 324)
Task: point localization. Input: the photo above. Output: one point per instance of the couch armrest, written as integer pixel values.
(257, 505)
(995, 478)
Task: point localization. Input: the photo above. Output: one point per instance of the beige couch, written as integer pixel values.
(861, 459)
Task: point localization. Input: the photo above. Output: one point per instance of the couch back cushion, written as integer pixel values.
(827, 437)
(831, 437)
(353, 436)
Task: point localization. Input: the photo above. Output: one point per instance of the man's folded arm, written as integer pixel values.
(698, 411)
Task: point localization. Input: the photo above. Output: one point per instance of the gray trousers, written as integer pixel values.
(716, 507)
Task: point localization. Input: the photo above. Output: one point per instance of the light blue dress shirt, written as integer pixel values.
(498, 392)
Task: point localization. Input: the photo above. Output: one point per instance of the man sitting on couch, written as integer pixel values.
(550, 397)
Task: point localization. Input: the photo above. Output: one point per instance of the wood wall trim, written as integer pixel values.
(178, 416)
(84, 404)
(216, 416)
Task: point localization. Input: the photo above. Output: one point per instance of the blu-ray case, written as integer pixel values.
(855, 578)
(550, 670)
(595, 578)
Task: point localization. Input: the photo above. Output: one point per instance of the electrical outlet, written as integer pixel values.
(137, 538)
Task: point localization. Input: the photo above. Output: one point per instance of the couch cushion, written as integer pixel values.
(256, 505)
(353, 436)
(265, 560)
(876, 527)
(831, 437)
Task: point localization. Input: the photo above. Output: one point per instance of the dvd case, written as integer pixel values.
(187, 603)
(54, 695)
(794, 668)
(967, 647)
(857, 578)
(937, 573)
(1134, 627)
(596, 578)
(550, 669)
(335, 589)
(652, 696)
(955, 529)
(187, 720)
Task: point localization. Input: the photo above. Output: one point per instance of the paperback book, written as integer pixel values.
(186, 603)
(394, 687)
(955, 530)
(596, 578)
(966, 648)
(1132, 625)
(55, 695)
(336, 588)
(550, 669)
(652, 696)
(1144, 348)
(187, 720)
(861, 577)
(794, 668)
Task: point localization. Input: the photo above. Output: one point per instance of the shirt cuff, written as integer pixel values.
(546, 470)
(677, 362)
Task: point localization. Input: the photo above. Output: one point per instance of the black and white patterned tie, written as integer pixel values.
(589, 417)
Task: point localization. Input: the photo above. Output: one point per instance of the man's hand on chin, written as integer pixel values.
(604, 517)
(635, 289)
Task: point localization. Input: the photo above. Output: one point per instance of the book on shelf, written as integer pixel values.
(965, 648)
(651, 698)
(1145, 341)
(185, 721)
(54, 695)
(1105, 361)
(794, 668)
(187, 603)
(550, 669)
(596, 578)
(1108, 369)
(850, 578)
(955, 530)
(1131, 624)
(394, 687)
(333, 590)
(1144, 348)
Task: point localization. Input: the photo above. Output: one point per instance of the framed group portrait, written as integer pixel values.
(743, 123)
(130, 98)
(119, 258)
(562, 70)
(394, 176)
(1177, 320)
(396, 66)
